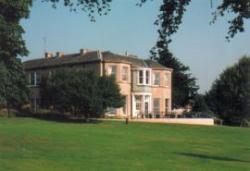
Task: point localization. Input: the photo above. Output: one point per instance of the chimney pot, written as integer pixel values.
(48, 55)
(59, 54)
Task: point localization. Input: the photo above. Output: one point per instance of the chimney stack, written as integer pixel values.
(48, 55)
(84, 51)
(59, 54)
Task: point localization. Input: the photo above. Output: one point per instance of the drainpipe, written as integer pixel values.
(99, 53)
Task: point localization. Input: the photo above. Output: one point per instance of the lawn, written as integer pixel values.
(36, 145)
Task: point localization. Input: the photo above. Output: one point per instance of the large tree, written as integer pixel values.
(13, 87)
(183, 83)
(229, 96)
(81, 93)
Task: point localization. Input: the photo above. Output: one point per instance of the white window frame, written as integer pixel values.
(35, 79)
(144, 79)
(31, 78)
(145, 97)
(110, 70)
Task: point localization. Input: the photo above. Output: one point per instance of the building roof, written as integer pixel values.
(91, 56)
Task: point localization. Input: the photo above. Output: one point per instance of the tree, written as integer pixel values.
(13, 87)
(184, 85)
(229, 96)
(10, 84)
(82, 93)
(199, 104)
(171, 12)
(110, 92)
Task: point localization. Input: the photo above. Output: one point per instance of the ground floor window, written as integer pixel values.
(138, 103)
(156, 106)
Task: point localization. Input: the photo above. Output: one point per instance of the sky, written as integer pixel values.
(130, 28)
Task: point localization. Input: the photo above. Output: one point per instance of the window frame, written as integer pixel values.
(111, 67)
(125, 73)
(142, 78)
(156, 109)
(158, 74)
(138, 102)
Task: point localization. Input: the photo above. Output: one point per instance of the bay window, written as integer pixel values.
(141, 77)
(147, 77)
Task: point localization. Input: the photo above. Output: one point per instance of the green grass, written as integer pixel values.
(35, 145)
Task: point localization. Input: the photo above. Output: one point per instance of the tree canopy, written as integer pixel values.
(13, 84)
(183, 83)
(82, 93)
(171, 12)
(229, 96)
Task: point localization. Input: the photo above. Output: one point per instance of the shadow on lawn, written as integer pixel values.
(204, 156)
(55, 117)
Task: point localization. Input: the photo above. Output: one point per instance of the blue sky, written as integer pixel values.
(130, 28)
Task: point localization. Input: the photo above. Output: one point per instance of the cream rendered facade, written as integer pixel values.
(146, 85)
(140, 96)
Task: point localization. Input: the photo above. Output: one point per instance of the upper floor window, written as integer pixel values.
(34, 78)
(112, 70)
(147, 77)
(144, 77)
(125, 73)
(157, 78)
(141, 76)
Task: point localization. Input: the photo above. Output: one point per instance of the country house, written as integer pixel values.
(145, 84)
